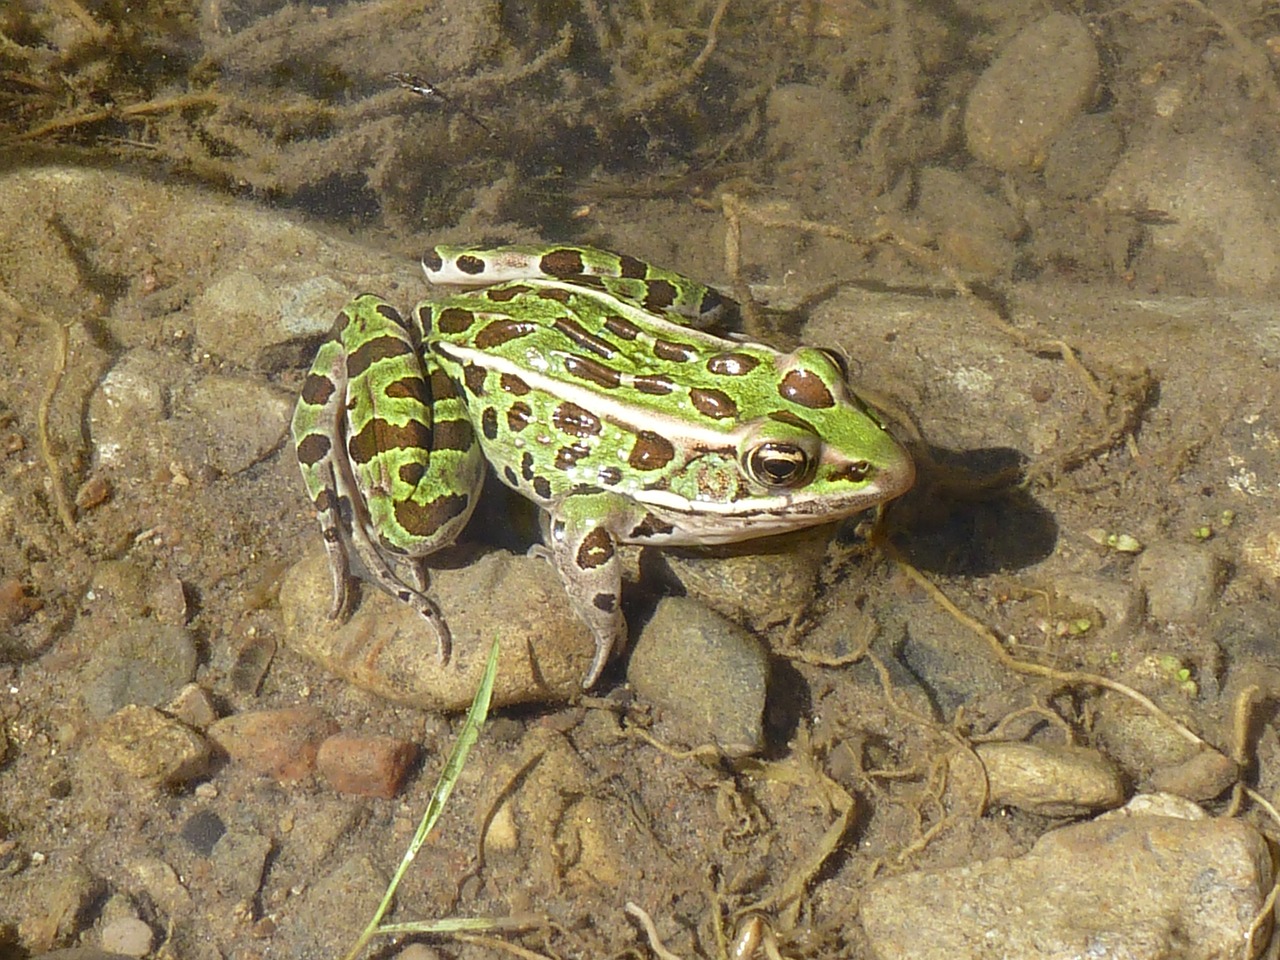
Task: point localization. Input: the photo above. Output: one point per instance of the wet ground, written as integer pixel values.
(1048, 246)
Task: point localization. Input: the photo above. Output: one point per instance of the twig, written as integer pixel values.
(61, 124)
(1256, 68)
(495, 943)
(650, 931)
(1011, 662)
(66, 512)
(62, 501)
(657, 92)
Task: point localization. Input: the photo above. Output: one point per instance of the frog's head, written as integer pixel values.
(822, 453)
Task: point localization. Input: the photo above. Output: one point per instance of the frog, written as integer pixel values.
(604, 389)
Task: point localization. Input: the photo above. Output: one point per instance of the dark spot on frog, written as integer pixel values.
(595, 550)
(806, 389)
(454, 320)
(519, 416)
(651, 451)
(424, 520)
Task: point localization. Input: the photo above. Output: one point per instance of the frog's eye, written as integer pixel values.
(779, 464)
(837, 358)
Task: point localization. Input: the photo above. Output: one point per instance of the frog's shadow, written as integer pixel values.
(967, 515)
(970, 514)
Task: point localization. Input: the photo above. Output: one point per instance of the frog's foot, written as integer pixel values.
(415, 596)
(331, 529)
(587, 559)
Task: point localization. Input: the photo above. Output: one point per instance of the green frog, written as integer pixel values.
(594, 384)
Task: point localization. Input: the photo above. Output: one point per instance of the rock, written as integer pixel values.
(123, 586)
(253, 659)
(239, 859)
(231, 423)
(366, 766)
(193, 706)
(1083, 156)
(417, 951)
(280, 743)
(1112, 608)
(1050, 780)
(759, 584)
(1260, 551)
(1136, 739)
(162, 884)
(705, 674)
(387, 649)
(143, 663)
(128, 936)
(1205, 776)
(55, 903)
(1181, 581)
(971, 395)
(1141, 887)
(250, 275)
(1219, 211)
(1031, 92)
(154, 749)
(245, 311)
(794, 136)
(1156, 805)
(975, 230)
(168, 600)
(131, 399)
(1246, 633)
(16, 603)
(202, 830)
(940, 653)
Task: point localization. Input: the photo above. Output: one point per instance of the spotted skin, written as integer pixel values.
(373, 395)
(596, 386)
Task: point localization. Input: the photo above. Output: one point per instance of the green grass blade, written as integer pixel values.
(467, 737)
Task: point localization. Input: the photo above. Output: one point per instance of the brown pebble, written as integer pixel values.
(1204, 776)
(152, 748)
(193, 706)
(94, 492)
(15, 604)
(279, 743)
(264, 928)
(168, 600)
(366, 766)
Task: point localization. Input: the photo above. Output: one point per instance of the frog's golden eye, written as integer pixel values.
(779, 464)
(838, 359)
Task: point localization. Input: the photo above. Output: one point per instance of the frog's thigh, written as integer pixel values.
(585, 553)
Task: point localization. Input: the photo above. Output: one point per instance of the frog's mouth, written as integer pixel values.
(744, 518)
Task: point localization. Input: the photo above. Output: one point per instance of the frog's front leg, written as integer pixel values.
(387, 453)
(585, 552)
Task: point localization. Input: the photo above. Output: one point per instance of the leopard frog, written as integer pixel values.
(593, 384)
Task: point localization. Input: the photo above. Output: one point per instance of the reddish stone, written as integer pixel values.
(366, 766)
(279, 743)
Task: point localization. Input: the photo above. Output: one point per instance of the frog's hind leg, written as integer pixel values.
(681, 299)
(400, 467)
